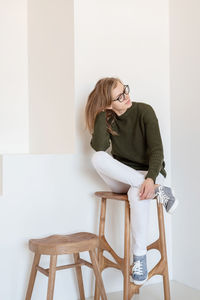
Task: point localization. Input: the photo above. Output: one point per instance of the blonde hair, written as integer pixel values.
(99, 99)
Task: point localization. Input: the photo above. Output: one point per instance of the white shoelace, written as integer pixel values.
(137, 269)
(162, 197)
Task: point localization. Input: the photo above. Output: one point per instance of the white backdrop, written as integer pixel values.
(185, 137)
(46, 194)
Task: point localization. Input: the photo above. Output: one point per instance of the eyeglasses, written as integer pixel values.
(122, 96)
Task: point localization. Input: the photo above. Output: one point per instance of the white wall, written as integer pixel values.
(45, 194)
(37, 77)
(13, 77)
(185, 137)
(51, 76)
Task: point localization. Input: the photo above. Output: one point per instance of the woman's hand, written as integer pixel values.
(147, 189)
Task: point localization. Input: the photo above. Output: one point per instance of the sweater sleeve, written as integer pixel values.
(154, 143)
(100, 138)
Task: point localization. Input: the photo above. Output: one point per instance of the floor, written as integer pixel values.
(155, 292)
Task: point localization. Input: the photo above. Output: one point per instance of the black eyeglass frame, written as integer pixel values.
(125, 92)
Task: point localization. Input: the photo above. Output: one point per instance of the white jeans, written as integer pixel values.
(123, 179)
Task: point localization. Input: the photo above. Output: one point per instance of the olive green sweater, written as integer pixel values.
(138, 143)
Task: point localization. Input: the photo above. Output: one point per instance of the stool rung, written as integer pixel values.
(43, 271)
(158, 269)
(105, 246)
(79, 264)
(86, 263)
(68, 266)
(110, 264)
(154, 245)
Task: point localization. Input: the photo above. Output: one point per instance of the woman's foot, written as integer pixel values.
(166, 196)
(139, 271)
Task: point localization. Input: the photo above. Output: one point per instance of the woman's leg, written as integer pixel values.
(107, 166)
(139, 210)
(115, 186)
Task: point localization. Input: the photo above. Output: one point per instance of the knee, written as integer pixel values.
(98, 158)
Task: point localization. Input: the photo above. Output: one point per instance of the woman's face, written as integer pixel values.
(120, 107)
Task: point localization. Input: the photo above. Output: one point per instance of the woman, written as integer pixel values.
(136, 165)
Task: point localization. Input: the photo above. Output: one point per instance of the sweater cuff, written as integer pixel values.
(151, 174)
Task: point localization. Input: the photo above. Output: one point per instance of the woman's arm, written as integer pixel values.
(155, 152)
(154, 143)
(100, 138)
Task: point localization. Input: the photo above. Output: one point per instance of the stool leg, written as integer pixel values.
(166, 285)
(32, 276)
(79, 277)
(97, 273)
(126, 251)
(52, 273)
(101, 234)
(163, 250)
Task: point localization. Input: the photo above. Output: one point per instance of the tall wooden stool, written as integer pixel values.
(123, 264)
(55, 245)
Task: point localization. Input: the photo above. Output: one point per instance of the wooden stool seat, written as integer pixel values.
(64, 244)
(123, 264)
(113, 196)
(55, 245)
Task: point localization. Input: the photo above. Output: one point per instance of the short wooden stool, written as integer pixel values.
(55, 245)
(123, 264)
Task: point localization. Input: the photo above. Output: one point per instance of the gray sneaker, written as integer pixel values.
(167, 198)
(139, 271)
